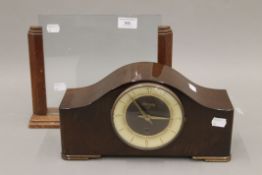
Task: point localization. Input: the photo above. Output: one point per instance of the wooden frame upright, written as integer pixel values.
(44, 117)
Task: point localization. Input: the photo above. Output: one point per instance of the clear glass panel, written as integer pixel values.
(82, 49)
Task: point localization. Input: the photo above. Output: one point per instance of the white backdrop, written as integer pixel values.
(217, 43)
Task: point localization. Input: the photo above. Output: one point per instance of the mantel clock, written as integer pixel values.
(146, 109)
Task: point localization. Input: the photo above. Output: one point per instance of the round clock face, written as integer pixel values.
(147, 116)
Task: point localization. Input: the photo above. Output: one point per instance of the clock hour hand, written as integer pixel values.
(151, 117)
(144, 115)
(139, 108)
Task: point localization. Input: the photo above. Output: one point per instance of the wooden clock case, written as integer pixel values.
(87, 131)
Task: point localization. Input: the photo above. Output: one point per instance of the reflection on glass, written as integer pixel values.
(82, 49)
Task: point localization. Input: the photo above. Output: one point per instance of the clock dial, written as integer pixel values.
(156, 119)
(147, 116)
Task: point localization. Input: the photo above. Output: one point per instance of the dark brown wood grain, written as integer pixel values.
(86, 121)
(165, 43)
(146, 71)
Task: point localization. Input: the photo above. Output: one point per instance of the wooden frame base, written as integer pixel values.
(213, 158)
(51, 120)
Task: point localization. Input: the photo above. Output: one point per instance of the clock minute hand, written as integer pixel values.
(157, 117)
(154, 117)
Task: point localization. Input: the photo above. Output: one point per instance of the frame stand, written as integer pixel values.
(44, 117)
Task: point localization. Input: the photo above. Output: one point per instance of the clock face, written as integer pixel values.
(147, 116)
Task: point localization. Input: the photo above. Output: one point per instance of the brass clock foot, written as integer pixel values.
(80, 157)
(213, 158)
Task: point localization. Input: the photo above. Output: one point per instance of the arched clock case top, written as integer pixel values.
(87, 130)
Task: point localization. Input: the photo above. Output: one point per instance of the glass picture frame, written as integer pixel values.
(45, 109)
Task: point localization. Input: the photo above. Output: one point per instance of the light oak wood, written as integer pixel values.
(50, 120)
(37, 70)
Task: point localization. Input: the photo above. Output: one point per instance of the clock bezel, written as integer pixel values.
(150, 84)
